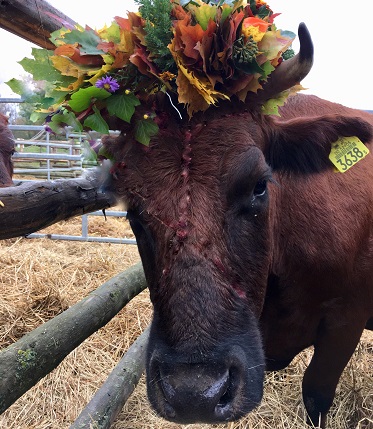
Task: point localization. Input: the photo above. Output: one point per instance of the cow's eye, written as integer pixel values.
(260, 188)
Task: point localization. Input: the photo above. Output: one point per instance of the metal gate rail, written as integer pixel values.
(85, 237)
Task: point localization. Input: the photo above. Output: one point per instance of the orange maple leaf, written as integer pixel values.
(187, 36)
(73, 52)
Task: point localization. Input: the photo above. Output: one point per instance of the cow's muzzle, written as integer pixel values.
(208, 392)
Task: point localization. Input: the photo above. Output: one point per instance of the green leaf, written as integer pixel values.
(249, 67)
(103, 153)
(111, 33)
(38, 100)
(96, 122)
(204, 13)
(19, 87)
(65, 117)
(38, 117)
(83, 98)
(267, 68)
(122, 106)
(87, 39)
(263, 12)
(144, 130)
(57, 96)
(41, 67)
(46, 102)
(226, 11)
(57, 35)
(270, 107)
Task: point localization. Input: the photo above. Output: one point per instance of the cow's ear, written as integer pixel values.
(303, 145)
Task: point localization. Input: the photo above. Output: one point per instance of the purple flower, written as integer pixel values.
(108, 83)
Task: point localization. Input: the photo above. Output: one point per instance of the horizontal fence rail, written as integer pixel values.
(49, 158)
(61, 159)
(53, 156)
(85, 236)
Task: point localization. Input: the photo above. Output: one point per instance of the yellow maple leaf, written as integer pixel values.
(75, 85)
(202, 86)
(188, 95)
(65, 66)
(97, 74)
(126, 42)
(70, 68)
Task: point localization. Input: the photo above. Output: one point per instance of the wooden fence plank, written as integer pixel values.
(108, 401)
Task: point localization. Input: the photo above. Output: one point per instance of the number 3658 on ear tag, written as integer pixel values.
(346, 152)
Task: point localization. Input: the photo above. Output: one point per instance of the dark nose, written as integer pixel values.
(198, 392)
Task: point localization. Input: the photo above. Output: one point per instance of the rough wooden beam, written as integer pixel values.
(34, 205)
(106, 404)
(32, 20)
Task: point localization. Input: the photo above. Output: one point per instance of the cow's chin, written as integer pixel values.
(222, 386)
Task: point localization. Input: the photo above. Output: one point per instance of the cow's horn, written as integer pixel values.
(292, 71)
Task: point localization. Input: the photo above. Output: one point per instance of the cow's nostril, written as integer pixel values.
(223, 407)
(225, 399)
(168, 393)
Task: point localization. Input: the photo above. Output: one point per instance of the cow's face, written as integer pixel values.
(6, 152)
(198, 205)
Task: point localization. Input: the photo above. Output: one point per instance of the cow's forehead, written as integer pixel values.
(217, 139)
(173, 176)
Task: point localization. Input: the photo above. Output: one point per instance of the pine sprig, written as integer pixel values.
(158, 27)
(289, 53)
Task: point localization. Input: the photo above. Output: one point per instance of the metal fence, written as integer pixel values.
(44, 157)
(50, 158)
(85, 236)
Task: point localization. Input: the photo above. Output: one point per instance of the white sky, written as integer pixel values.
(342, 33)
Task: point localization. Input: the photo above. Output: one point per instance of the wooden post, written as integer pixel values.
(106, 404)
(34, 205)
(32, 20)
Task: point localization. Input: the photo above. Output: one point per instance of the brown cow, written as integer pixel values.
(254, 248)
(6, 152)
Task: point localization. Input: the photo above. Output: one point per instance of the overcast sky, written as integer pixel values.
(342, 33)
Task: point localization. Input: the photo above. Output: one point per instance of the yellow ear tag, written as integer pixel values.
(346, 152)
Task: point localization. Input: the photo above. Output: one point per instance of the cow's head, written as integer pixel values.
(6, 152)
(199, 204)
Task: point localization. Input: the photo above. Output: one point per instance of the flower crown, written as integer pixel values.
(195, 51)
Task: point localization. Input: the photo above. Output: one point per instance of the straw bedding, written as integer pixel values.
(41, 278)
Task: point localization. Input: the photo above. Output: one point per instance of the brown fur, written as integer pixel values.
(230, 267)
(6, 152)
